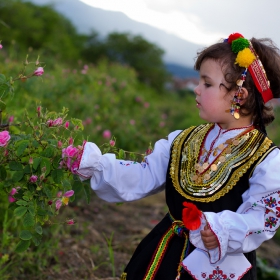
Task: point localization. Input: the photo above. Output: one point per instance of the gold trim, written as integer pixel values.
(220, 181)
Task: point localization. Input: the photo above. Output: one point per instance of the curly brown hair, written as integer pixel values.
(269, 55)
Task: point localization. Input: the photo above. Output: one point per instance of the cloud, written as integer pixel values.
(202, 21)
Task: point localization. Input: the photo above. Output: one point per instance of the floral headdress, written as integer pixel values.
(247, 58)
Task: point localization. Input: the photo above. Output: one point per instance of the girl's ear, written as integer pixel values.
(244, 95)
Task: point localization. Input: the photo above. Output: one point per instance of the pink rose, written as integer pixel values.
(57, 122)
(70, 222)
(66, 125)
(13, 191)
(50, 123)
(59, 144)
(4, 138)
(11, 199)
(39, 71)
(70, 151)
(107, 134)
(112, 143)
(1, 47)
(33, 179)
(68, 193)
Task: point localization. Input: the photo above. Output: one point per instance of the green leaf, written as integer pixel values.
(35, 144)
(57, 175)
(77, 187)
(87, 191)
(56, 161)
(36, 238)
(48, 152)
(28, 220)
(47, 192)
(17, 176)
(21, 147)
(2, 78)
(4, 89)
(27, 169)
(22, 246)
(31, 210)
(41, 212)
(66, 184)
(3, 173)
(15, 166)
(20, 211)
(2, 105)
(121, 154)
(39, 229)
(21, 202)
(36, 162)
(25, 235)
(78, 123)
(45, 162)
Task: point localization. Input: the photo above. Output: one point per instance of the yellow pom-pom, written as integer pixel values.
(245, 58)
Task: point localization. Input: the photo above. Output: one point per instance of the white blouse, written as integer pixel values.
(255, 221)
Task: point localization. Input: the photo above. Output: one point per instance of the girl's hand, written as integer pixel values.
(209, 238)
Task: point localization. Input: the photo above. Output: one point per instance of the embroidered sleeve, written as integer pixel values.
(118, 180)
(255, 221)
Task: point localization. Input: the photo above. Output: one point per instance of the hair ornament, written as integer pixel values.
(247, 58)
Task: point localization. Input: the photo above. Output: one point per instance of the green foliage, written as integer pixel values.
(25, 27)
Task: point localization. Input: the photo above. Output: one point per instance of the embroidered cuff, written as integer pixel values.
(222, 235)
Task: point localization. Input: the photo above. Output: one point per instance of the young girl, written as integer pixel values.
(228, 168)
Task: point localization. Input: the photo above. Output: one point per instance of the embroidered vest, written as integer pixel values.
(223, 188)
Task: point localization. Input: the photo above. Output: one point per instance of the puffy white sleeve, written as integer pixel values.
(255, 221)
(119, 180)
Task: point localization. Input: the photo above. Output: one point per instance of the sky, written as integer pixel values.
(202, 21)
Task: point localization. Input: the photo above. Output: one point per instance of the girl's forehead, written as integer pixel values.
(211, 67)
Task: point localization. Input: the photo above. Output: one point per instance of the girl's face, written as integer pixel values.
(212, 98)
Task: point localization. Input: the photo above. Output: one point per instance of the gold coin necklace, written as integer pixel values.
(203, 165)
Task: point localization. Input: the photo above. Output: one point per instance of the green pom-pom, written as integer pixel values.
(239, 45)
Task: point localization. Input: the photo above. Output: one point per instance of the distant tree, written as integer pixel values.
(143, 56)
(94, 48)
(39, 27)
(135, 51)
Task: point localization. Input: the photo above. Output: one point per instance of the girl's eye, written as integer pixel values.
(207, 85)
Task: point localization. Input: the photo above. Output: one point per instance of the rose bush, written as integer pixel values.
(36, 169)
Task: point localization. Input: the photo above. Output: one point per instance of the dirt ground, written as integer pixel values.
(85, 252)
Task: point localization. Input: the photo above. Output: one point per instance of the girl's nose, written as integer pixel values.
(196, 90)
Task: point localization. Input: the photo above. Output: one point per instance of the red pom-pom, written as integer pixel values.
(234, 36)
(191, 216)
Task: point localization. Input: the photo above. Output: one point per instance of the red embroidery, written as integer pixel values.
(217, 274)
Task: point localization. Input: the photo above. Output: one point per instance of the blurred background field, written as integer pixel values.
(118, 84)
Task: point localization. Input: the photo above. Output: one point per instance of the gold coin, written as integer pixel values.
(222, 159)
(221, 147)
(200, 169)
(236, 115)
(228, 150)
(235, 142)
(205, 165)
(199, 180)
(213, 167)
(206, 176)
(194, 177)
